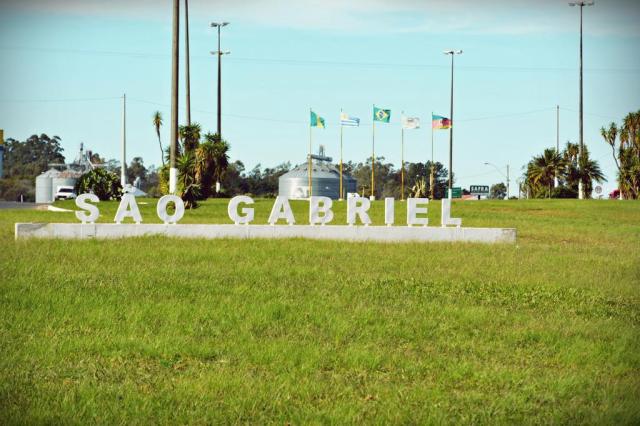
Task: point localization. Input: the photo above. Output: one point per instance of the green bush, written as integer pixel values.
(101, 182)
(564, 192)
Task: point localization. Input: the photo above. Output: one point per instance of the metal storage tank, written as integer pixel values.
(44, 182)
(325, 180)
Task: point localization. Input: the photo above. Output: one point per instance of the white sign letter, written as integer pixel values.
(389, 212)
(358, 206)
(446, 214)
(413, 210)
(161, 208)
(232, 209)
(319, 205)
(93, 214)
(281, 210)
(128, 208)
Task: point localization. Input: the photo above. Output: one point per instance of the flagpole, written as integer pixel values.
(373, 153)
(309, 161)
(431, 177)
(341, 190)
(402, 157)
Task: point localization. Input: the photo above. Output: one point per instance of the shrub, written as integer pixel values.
(104, 184)
(564, 192)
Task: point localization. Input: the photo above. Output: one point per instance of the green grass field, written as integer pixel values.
(156, 330)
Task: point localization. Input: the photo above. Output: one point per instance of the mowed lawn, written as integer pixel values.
(157, 330)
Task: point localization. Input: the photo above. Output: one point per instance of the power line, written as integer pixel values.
(299, 62)
(275, 120)
(587, 113)
(515, 114)
(58, 100)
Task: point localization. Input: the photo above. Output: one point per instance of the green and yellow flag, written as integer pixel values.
(383, 115)
(316, 120)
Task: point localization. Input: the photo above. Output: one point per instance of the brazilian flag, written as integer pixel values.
(383, 115)
(316, 120)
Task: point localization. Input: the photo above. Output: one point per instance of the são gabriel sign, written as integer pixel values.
(281, 222)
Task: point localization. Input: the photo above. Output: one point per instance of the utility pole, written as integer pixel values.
(123, 167)
(555, 177)
(173, 172)
(186, 48)
(582, 4)
(219, 52)
(452, 53)
(507, 182)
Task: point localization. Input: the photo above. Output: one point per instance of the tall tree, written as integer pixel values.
(588, 172)
(609, 136)
(629, 155)
(157, 123)
(541, 170)
(190, 136)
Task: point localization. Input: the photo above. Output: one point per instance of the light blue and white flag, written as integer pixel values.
(346, 120)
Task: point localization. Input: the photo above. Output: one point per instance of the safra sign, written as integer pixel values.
(358, 228)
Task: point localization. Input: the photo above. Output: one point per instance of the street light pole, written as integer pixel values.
(452, 53)
(582, 4)
(173, 172)
(219, 52)
(186, 53)
(555, 173)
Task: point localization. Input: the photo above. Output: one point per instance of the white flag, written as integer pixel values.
(410, 122)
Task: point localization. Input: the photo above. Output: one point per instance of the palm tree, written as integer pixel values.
(188, 187)
(588, 172)
(212, 161)
(190, 136)
(629, 154)
(609, 135)
(221, 161)
(205, 158)
(541, 170)
(157, 123)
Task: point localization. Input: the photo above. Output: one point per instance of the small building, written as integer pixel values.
(325, 180)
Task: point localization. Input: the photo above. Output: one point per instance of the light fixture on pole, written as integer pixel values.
(452, 53)
(505, 176)
(219, 52)
(581, 4)
(186, 57)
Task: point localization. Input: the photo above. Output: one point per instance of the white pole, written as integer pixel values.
(123, 168)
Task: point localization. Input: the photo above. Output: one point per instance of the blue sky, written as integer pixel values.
(66, 63)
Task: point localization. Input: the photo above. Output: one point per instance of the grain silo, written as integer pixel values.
(44, 185)
(47, 183)
(325, 180)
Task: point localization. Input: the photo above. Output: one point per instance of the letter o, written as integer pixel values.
(161, 208)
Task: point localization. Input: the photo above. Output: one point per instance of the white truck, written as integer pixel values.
(65, 193)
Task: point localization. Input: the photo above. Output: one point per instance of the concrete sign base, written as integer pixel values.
(318, 232)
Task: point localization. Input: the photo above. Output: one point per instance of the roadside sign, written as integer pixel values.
(479, 190)
(598, 189)
(456, 192)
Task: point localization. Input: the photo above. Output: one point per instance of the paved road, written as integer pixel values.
(17, 205)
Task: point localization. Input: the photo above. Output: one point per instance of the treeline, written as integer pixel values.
(23, 161)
